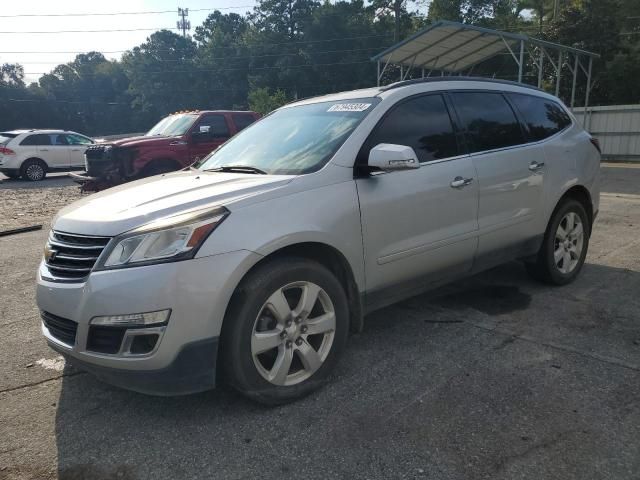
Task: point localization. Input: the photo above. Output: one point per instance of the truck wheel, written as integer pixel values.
(286, 326)
(564, 247)
(33, 170)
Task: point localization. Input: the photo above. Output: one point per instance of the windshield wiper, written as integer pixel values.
(237, 168)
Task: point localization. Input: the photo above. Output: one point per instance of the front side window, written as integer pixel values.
(293, 140)
(173, 125)
(488, 120)
(422, 123)
(544, 118)
(58, 139)
(73, 139)
(38, 139)
(213, 126)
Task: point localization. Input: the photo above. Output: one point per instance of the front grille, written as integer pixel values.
(105, 339)
(70, 257)
(60, 328)
(98, 159)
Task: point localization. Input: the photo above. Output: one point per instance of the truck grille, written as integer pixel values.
(70, 257)
(60, 328)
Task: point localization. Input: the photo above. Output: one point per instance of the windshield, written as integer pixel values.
(294, 140)
(173, 125)
(6, 138)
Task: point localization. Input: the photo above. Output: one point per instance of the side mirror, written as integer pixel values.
(389, 157)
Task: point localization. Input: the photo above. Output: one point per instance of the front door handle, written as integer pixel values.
(44, 149)
(460, 182)
(535, 166)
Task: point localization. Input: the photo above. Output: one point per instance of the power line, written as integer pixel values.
(110, 14)
(93, 31)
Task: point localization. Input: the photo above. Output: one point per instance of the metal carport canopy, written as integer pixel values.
(455, 47)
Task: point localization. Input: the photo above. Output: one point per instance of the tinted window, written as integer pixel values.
(243, 120)
(217, 126)
(488, 120)
(73, 139)
(543, 117)
(39, 139)
(6, 137)
(422, 123)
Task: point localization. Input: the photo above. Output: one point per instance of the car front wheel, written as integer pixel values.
(286, 326)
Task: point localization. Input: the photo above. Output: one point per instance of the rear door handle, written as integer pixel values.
(460, 182)
(44, 149)
(535, 166)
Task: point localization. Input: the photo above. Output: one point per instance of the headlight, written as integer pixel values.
(165, 240)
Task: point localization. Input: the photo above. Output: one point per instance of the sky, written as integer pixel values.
(39, 53)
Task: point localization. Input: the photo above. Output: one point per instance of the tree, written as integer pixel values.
(261, 101)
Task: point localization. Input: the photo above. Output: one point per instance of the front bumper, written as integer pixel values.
(196, 291)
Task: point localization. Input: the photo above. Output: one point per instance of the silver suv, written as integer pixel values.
(259, 260)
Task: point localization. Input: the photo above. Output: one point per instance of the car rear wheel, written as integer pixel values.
(33, 170)
(284, 331)
(564, 247)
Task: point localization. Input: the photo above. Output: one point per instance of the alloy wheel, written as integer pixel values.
(293, 333)
(35, 172)
(569, 242)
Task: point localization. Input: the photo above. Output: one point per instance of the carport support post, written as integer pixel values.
(586, 98)
(520, 65)
(575, 76)
(558, 73)
(540, 67)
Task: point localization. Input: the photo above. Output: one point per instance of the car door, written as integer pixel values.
(418, 226)
(77, 145)
(510, 175)
(207, 134)
(57, 151)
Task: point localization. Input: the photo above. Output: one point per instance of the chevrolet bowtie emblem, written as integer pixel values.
(49, 253)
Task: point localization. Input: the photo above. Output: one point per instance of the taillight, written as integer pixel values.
(596, 143)
(6, 151)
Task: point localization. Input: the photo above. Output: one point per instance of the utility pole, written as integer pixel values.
(183, 24)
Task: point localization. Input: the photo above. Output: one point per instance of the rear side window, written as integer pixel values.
(543, 117)
(38, 139)
(58, 139)
(243, 120)
(422, 123)
(488, 120)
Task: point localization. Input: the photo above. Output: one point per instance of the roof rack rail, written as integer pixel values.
(455, 78)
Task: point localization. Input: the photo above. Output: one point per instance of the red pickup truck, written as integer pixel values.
(175, 142)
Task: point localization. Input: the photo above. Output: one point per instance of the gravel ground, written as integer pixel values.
(23, 204)
(493, 377)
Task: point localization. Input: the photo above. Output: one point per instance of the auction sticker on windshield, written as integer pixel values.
(349, 107)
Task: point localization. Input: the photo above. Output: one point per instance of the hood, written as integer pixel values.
(119, 209)
(142, 141)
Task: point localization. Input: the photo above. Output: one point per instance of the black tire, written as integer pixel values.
(544, 267)
(33, 170)
(12, 175)
(242, 315)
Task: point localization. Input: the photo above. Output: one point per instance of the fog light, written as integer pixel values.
(134, 320)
